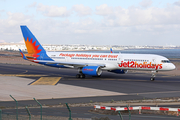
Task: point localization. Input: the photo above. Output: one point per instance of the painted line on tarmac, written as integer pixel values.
(145, 80)
(22, 75)
(46, 81)
(153, 116)
(129, 80)
(154, 92)
(170, 76)
(24, 72)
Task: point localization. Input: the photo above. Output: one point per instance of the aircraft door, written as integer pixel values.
(67, 58)
(120, 59)
(153, 63)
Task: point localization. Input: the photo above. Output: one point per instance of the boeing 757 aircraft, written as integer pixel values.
(93, 63)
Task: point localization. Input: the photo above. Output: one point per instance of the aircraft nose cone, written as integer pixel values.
(173, 66)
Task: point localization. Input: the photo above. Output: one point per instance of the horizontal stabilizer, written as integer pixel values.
(22, 54)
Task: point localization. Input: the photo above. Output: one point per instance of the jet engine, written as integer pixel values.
(91, 70)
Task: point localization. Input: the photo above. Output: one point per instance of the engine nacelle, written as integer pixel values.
(91, 70)
(119, 71)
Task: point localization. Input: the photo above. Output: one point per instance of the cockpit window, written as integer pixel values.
(165, 61)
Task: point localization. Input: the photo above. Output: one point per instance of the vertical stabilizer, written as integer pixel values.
(34, 48)
(32, 44)
(111, 50)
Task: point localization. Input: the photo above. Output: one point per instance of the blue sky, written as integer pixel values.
(102, 22)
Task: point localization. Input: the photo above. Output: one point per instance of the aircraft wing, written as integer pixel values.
(70, 63)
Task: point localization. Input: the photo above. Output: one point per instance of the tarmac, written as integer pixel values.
(51, 86)
(19, 81)
(20, 89)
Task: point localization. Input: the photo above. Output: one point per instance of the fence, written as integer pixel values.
(7, 116)
(138, 108)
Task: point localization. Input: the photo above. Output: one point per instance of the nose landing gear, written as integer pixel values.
(152, 78)
(153, 75)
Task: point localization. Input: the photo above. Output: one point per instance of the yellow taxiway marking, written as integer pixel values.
(47, 81)
(22, 75)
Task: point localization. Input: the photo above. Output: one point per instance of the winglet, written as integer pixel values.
(22, 54)
(111, 50)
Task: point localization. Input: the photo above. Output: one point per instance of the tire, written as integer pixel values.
(82, 76)
(152, 79)
(78, 76)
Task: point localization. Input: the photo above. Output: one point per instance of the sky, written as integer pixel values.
(92, 22)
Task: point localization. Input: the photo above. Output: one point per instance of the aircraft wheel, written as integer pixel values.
(99, 75)
(78, 76)
(82, 76)
(152, 79)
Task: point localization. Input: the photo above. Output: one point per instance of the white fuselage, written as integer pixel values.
(112, 61)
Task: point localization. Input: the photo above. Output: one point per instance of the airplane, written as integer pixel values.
(93, 63)
(111, 50)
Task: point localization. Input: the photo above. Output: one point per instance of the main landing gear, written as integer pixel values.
(80, 75)
(153, 75)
